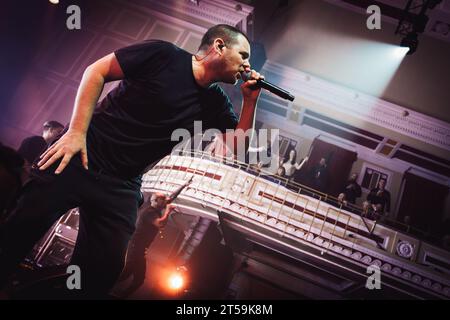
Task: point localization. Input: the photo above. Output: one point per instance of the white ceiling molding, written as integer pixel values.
(211, 11)
(362, 106)
(364, 154)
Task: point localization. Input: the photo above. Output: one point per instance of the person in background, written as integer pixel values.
(319, 176)
(380, 198)
(11, 165)
(52, 130)
(352, 189)
(152, 217)
(32, 147)
(291, 165)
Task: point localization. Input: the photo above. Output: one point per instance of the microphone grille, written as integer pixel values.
(246, 75)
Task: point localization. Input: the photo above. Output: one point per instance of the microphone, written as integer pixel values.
(269, 86)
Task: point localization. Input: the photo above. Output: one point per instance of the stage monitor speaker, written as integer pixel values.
(58, 252)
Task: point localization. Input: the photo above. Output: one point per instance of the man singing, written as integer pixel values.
(97, 164)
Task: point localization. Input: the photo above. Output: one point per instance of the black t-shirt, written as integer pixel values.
(383, 198)
(319, 177)
(352, 191)
(132, 126)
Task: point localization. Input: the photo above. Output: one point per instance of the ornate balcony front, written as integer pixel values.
(300, 223)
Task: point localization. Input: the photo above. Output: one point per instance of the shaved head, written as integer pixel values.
(158, 200)
(227, 33)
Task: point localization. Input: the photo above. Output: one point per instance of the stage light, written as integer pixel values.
(176, 280)
(54, 1)
(411, 42)
(400, 52)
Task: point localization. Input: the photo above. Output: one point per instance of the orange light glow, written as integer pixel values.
(176, 281)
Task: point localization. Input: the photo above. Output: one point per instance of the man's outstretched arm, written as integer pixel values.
(177, 192)
(74, 140)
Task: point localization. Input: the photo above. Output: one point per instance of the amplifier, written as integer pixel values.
(57, 245)
(66, 232)
(58, 252)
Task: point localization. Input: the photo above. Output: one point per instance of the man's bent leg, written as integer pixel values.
(106, 225)
(139, 266)
(41, 203)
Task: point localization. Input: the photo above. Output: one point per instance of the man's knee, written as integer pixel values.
(110, 266)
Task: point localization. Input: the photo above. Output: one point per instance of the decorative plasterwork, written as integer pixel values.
(361, 106)
(268, 208)
(212, 12)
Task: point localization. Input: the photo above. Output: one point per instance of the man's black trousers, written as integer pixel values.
(108, 207)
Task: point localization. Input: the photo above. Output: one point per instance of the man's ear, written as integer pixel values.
(219, 45)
